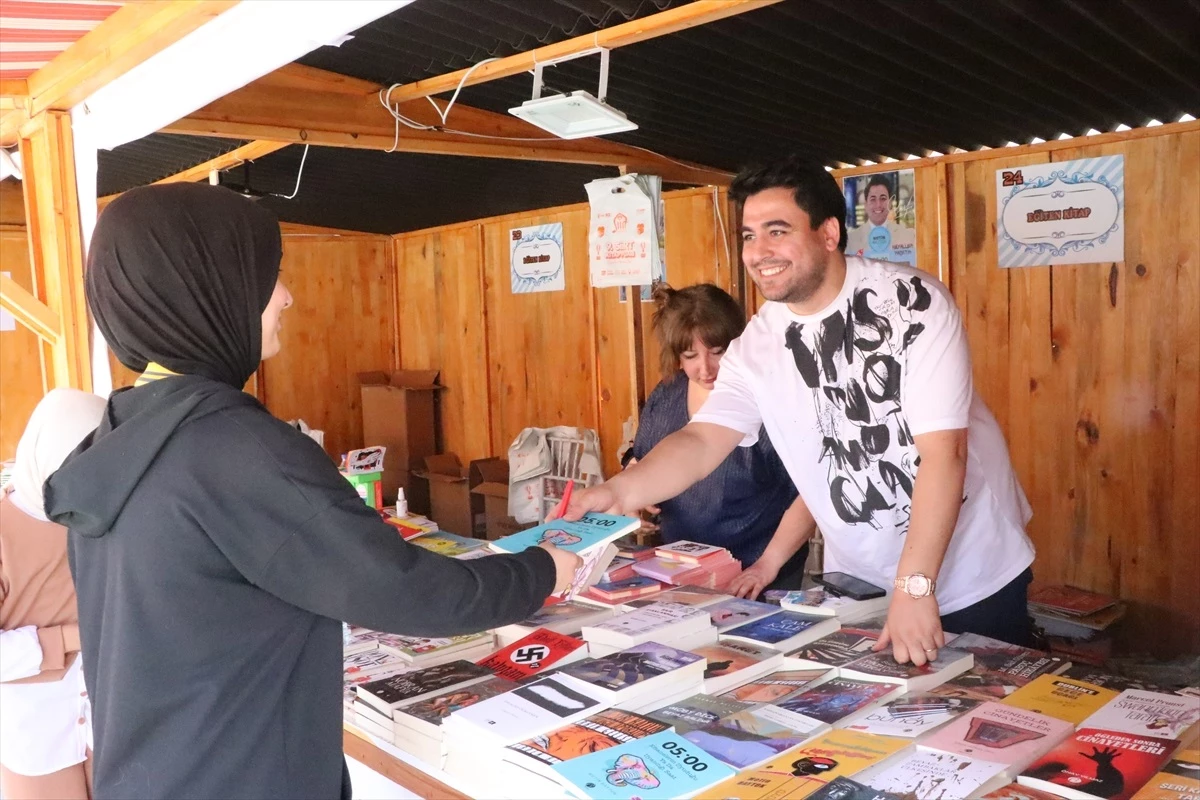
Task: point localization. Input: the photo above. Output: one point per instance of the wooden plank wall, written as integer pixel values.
(21, 354)
(556, 358)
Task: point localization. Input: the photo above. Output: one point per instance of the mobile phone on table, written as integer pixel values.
(843, 585)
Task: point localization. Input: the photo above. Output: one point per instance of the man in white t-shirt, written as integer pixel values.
(860, 372)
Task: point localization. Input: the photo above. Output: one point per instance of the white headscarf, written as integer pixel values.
(59, 423)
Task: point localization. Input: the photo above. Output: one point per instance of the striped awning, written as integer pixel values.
(33, 32)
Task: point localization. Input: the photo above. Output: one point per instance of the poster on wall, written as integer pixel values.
(7, 321)
(624, 247)
(536, 258)
(1070, 212)
(881, 216)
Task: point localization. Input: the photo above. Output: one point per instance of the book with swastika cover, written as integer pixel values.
(531, 654)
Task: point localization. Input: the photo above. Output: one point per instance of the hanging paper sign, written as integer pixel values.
(623, 237)
(536, 258)
(1071, 212)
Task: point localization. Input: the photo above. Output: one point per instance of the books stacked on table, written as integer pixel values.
(678, 625)
(449, 544)
(784, 630)
(410, 526)
(568, 618)
(821, 602)
(685, 563)
(1072, 613)
(420, 651)
(377, 700)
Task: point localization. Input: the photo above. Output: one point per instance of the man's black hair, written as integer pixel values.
(884, 180)
(814, 189)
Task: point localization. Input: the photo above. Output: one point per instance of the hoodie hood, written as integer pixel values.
(89, 491)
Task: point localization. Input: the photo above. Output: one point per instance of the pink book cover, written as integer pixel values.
(665, 570)
(1000, 733)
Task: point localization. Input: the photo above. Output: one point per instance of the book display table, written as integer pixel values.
(399, 767)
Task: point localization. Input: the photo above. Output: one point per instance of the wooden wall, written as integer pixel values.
(21, 353)
(555, 358)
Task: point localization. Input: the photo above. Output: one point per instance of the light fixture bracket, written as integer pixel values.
(577, 114)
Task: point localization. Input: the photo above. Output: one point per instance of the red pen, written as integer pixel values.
(561, 508)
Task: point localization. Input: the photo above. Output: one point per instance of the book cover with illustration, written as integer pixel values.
(645, 621)
(882, 666)
(746, 739)
(849, 789)
(619, 591)
(527, 711)
(838, 698)
(600, 731)
(662, 765)
(838, 649)
(779, 685)
(531, 654)
(912, 715)
(784, 629)
(1165, 716)
(803, 770)
(567, 617)
(736, 611)
(432, 711)
(727, 658)
(666, 570)
(1070, 600)
(448, 544)
(693, 552)
(589, 538)
(697, 711)
(1001, 668)
(1179, 780)
(934, 775)
(421, 648)
(1063, 698)
(996, 732)
(700, 596)
(395, 691)
(625, 671)
(1106, 765)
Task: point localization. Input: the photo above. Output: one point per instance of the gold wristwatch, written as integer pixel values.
(916, 585)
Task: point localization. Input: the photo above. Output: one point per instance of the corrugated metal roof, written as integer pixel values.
(839, 81)
(154, 157)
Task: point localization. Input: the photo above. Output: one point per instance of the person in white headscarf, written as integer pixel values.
(45, 728)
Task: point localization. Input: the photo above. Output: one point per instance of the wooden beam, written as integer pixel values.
(632, 32)
(130, 36)
(28, 310)
(303, 105)
(247, 152)
(56, 243)
(11, 122)
(14, 88)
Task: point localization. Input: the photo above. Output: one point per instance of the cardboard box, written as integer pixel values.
(449, 493)
(398, 413)
(489, 498)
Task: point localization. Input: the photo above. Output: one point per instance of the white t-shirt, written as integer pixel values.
(843, 392)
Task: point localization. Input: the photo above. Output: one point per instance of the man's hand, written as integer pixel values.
(913, 629)
(566, 564)
(754, 579)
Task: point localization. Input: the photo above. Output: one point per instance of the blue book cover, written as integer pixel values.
(662, 765)
(625, 584)
(777, 627)
(591, 530)
(745, 739)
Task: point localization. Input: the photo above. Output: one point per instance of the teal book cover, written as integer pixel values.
(591, 530)
(662, 765)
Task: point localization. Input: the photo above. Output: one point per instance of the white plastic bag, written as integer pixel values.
(541, 461)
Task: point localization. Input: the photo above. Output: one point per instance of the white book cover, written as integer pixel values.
(527, 710)
(1164, 716)
(931, 775)
(637, 626)
(792, 720)
(685, 550)
(912, 715)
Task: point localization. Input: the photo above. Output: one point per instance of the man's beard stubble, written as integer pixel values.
(803, 287)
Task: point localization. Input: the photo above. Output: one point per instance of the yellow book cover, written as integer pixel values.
(804, 769)
(1179, 781)
(1062, 698)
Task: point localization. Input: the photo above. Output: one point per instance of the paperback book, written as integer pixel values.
(912, 715)
(819, 601)
(697, 711)
(526, 711)
(422, 650)
(590, 538)
(799, 772)
(620, 591)
(934, 775)
(996, 732)
(1099, 765)
(449, 544)
(397, 691)
(531, 654)
(1165, 716)
(838, 698)
(658, 621)
(837, 649)
(731, 664)
(426, 716)
(643, 668)
(784, 630)
(700, 596)
(1001, 668)
(1063, 698)
(662, 765)
(882, 666)
(608, 728)
(1015, 791)
(746, 739)
(735, 611)
(690, 552)
(848, 789)
(1179, 780)
(569, 618)
(779, 686)
(1070, 600)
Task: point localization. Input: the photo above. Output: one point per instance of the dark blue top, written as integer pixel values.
(739, 505)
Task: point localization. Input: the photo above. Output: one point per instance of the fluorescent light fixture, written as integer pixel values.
(573, 116)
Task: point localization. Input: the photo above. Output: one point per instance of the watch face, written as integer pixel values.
(918, 586)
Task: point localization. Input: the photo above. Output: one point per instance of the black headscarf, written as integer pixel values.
(179, 274)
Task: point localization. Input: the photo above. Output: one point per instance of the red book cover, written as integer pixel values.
(1070, 600)
(1108, 765)
(531, 654)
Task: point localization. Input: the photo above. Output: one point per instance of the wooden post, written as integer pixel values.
(55, 242)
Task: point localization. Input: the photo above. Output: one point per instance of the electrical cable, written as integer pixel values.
(299, 172)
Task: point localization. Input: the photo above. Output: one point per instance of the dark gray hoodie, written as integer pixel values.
(215, 551)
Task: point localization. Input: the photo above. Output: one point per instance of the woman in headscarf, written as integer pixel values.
(44, 720)
(215, 548)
